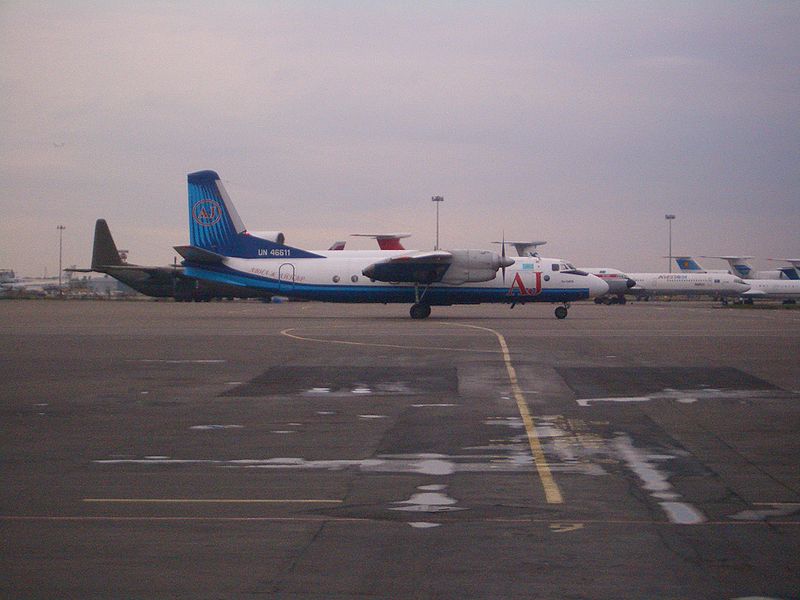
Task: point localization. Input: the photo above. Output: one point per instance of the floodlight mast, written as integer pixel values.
(670, 219)
(438, 200)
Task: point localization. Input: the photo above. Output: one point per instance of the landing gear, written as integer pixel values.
(561, 312)
(420, 311)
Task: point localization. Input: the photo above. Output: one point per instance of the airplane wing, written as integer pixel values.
(754, 294)
(151, 271)
(417, 267)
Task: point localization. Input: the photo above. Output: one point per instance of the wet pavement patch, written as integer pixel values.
(344, 381)
(599, 382)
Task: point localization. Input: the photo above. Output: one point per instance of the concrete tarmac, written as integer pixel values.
(164, 450)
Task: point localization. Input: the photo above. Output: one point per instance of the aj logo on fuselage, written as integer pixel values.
(518, 287)
(207, 213)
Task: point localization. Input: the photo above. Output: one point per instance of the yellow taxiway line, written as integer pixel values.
(551, 490)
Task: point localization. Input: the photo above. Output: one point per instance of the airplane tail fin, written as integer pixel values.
(738, 265)
(104, 251)
(687, 263)
(214, 224)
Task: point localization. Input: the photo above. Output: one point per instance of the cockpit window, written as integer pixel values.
(555, 267)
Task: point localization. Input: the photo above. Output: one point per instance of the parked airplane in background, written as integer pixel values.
(781, 289)
(718, 285)
(159, 282)
(789, 273)
(618, 282)
(785, 286)
(220, 251)
(386, 241)
(690, 265)
(35, 286)
(740, 266)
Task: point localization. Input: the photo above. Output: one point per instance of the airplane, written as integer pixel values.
(220, 251)
(690, 265)
(618, 282)
(36, 286)
(782, 288)
(158, 282)
(386, 241)
(789, 273)
(786, 290)
(721, 285)
(740, 266)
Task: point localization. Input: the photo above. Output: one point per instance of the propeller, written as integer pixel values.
(503, 256)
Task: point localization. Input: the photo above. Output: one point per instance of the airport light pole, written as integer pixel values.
(61, 229)
(670, 219)
(438, 200)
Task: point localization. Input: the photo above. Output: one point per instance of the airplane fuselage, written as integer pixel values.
(689, 284)
(337, 277)
(783, 289)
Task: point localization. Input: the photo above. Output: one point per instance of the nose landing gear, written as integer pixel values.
(420, 311)
(561, 311)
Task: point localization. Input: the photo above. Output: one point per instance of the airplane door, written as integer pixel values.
(286, 277)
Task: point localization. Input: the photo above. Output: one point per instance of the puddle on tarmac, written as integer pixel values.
(771, 509)
(645, 467)
(689, 396)
(424, 525)
(430, 499)
(570, 446)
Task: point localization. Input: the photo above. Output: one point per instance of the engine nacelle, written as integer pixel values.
(470, 266)
(271, 236)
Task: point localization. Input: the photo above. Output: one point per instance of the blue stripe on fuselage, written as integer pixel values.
(435, 295)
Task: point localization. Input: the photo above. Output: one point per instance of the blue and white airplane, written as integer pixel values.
(782, 284)
(222, 250)
(740, 266)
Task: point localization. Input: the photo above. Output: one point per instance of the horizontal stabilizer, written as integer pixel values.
(524, 248)
(199, 255)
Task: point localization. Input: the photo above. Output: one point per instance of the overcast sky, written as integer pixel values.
(578, 123)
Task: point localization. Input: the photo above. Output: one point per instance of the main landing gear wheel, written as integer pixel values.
(561, 312)
(420, 311)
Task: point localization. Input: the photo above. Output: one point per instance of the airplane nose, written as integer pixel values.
(630, 282)
(597, 287)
